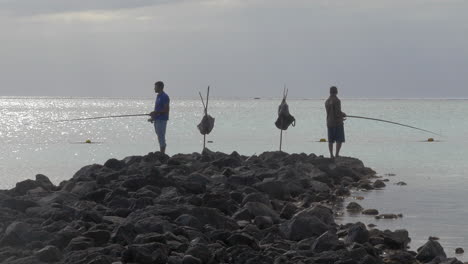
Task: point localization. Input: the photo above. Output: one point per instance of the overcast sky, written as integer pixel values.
(243, 48)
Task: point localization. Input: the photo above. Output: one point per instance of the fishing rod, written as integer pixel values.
(94, 118)
(391, 122)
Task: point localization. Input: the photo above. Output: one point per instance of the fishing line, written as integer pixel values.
(94, 118)
(391, 122)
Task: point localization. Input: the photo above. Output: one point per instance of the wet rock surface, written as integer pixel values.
(205, 207)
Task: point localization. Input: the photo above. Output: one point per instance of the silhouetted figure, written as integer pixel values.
(335, 120)
(160, 115)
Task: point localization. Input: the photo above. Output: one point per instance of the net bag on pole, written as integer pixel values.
(206, 124)
(285, 119)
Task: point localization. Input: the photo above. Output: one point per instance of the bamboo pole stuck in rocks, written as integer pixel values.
(207, 123)
(285, 119)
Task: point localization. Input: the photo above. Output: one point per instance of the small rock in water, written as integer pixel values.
(371, 225)
(378, 184)
(390, 174)
(401, 183)
(459, 251)
(354, 207)
(433, 238)
(386, 216)
(370, 212)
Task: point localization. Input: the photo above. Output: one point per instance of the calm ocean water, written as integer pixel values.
(433, 203)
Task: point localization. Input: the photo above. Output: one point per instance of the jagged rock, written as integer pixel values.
(275, 189)
(18, 204)
(357, 233)
(323, 213)
(354, 207)
(17, 233)
(400, 256)
(188, 220)
(378, 184)
(288, 211)
(429, 251)
(100, 237)
(146, 253)
(80, 243)
(242, 239)
(189, 259)
(200, 252)
(260, 209)
(49, 254)
(24, 186)
(398, 239)
(263, 222)
(257, 197)
(114, 164)
(213, 217)
(299, 228)
(327, 241)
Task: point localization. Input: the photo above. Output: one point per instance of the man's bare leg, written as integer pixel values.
(330, 147)
(338, 148)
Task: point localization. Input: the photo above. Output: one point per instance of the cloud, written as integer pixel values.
(36, 7)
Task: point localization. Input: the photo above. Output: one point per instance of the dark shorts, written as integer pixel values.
(336, 134)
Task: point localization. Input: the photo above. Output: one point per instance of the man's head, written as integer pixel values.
(158, 87)
(333, 90)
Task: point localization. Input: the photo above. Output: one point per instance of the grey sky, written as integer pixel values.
(245, 48)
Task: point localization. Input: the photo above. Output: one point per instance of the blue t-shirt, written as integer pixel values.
(161, 101)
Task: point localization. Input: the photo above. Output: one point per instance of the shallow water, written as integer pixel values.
(436, 173)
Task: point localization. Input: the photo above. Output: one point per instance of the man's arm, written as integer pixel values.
(338, 105)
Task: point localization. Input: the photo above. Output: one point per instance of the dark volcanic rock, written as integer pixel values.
(327, 241)
(354, 207)
(357, 233)
(398, 239)
(49, 254)
(299, 228)
(196, 208)
(429, 251)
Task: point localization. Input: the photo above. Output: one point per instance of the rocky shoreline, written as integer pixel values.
(200, 208)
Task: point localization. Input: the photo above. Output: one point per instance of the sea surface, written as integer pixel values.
(433, 202)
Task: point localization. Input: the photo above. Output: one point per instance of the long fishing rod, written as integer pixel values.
(391, 122)
(94, 118)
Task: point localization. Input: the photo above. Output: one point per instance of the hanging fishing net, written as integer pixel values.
(285, 119)
(206, 124)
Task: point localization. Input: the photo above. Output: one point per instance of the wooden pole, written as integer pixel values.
(281, 138)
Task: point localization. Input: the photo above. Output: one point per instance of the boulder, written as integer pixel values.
(398, 239)
(49, 254)
(260, 209)
(429, 251)
(146, 253)
(370, 212)
(201, 252)
(302, 227)
(257, 197)
(188, 220)
(357, 233)
(275, 189)
(354, 207)
(378, 184)
(17, 233)
(327, 241)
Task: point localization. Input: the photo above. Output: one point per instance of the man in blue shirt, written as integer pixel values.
(160, 115)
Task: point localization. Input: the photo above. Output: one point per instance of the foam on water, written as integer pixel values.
(432, 203)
